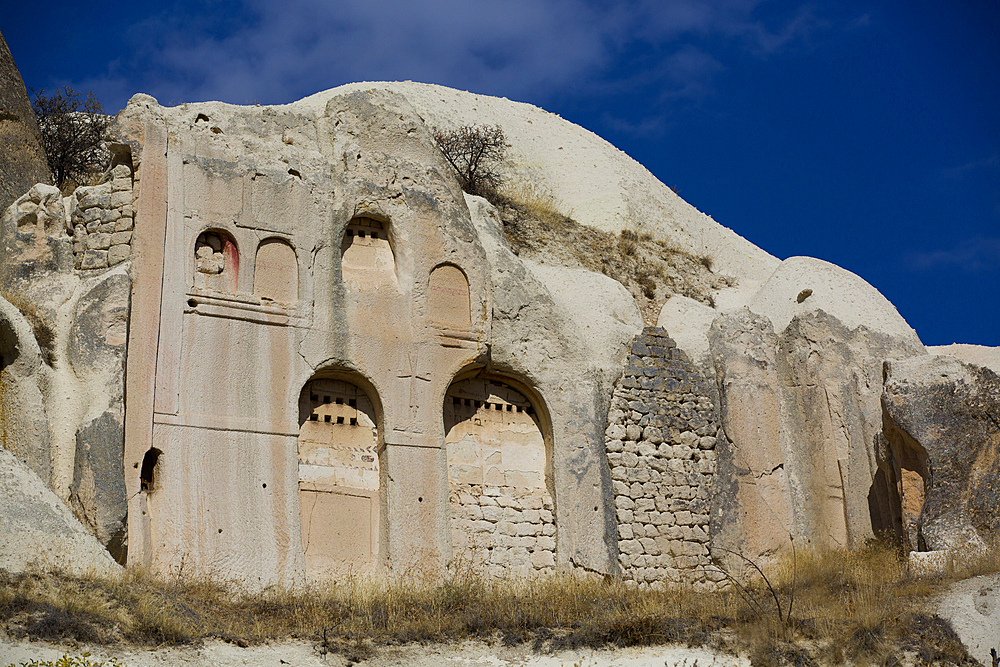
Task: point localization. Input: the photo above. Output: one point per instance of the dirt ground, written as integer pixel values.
(464, 654)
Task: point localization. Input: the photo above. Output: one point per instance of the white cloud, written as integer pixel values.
(279, 51)
(975, 254)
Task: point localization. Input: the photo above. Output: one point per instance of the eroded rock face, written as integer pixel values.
(946, 414)
(801, 411)
(328, 340)
(24, 428)
(66, 392)
(22, 157)
(38, 530)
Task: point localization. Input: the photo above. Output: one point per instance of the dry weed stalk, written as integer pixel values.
(857, 607)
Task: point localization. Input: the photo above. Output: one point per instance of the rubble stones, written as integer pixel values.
(102, 221)
(660, 445)
(506, 529)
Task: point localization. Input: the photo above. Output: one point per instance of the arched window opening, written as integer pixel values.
(499, 475)
(366, 253)
(147, 472)
(216, 261)
(276, 272)
(338, 478)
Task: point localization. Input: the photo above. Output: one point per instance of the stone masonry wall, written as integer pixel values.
(660, 444)
(503, 529)
(102, 221)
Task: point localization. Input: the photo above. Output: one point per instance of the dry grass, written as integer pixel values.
(855, 607)
(651, 269)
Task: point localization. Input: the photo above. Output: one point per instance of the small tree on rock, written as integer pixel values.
(477, 153)
(73, 132)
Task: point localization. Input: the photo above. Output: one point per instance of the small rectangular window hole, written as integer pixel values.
(353, 402)
(313, 397)
(326, 418)
(326, 400)
(340, 420)
(340, 400)
(354, 421)
(314, 417)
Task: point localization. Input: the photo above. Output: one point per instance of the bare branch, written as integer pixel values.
(73, 132)
(476, 152)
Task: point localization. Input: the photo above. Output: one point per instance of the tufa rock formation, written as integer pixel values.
(944, 419)
(22, 157)
(279, 344)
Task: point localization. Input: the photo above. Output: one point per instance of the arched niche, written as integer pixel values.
(448, 302)
(339, 478)
(276, 272)
(216, 261)
(499, 477)
(366, 257)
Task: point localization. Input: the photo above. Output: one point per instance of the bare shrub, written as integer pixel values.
(476, 152)
(73, 132)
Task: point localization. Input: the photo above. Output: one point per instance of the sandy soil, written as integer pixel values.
(465, 654)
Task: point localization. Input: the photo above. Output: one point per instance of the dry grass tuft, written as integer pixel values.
(651, 269)
(860, 608)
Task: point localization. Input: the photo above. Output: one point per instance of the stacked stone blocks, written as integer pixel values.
(505, 529)
(660, 443)
(102, 221)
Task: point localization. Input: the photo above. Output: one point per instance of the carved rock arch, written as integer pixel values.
(498, 441)
(216, 261)
(339, 451)
(448, 301)
(366, 255)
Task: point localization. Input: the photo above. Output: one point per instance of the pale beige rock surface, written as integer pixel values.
(980, 355)
(597, 184)
(802, 412)
(688, 321)
(37, 529)
(803, 285)
(973, 608)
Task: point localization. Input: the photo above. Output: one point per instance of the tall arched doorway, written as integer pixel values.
(338, 478)
(499, 479)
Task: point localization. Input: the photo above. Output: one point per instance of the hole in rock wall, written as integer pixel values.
(276, 272)
(338, 478)
(147, 473)
(366, 254)
(448, 297)
(8, 345)
(216, 261)
(502, 510)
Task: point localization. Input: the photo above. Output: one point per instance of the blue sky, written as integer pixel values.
(863, 133)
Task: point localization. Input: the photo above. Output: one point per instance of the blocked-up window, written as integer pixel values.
(276, 272)
(448, 297)
(338, 479)
(498, 479)
(366, 254)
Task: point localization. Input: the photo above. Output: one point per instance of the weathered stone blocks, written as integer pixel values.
(102, 220)
(660, 445)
